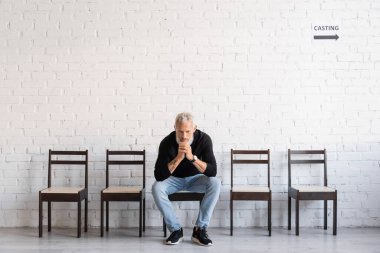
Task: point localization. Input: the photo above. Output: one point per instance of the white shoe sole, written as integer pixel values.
(175, 243)
(199, 243)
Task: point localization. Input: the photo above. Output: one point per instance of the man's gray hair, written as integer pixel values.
(182, 117)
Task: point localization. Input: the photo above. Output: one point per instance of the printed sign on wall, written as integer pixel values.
(325, 32)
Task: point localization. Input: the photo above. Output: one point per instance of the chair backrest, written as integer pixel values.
(59, 161)
(250, 161)
(307, 153)
(126, 154)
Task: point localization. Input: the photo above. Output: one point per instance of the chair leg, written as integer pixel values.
(79, 219)
(164, 226)
(231, 217)
(335, 216)
(107, 215)
(101, 216)
(297, 216)
(325, 214)
(49, 216)
(144, 215)
(140, 218)
(289, 213)
(40, 210)
(85, 214)
(270, 215)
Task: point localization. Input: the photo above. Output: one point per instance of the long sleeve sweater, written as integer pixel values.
(168, 150)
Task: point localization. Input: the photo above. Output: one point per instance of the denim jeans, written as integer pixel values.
(198, 183)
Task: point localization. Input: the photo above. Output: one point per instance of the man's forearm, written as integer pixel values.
(200, 165)
(173, 164)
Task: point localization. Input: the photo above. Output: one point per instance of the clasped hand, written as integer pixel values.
(184, 150)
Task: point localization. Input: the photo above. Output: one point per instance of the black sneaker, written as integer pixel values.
(200, 236)
(175, 237)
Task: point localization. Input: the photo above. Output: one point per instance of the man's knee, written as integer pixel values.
(158, 188)
(214, 183)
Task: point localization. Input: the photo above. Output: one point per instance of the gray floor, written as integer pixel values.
(244, 240)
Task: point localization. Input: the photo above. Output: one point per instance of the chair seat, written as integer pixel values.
(123, 189)
(314, 188)
(250, 188)
(184, 192)
(69, 190)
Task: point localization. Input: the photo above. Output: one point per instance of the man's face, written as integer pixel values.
(184, 131)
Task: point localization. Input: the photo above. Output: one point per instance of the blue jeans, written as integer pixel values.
(198, 183)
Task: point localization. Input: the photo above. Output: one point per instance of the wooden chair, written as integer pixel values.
(310, 192)
(251, 192)
(64, 194)
(184, 196)
(123, 193)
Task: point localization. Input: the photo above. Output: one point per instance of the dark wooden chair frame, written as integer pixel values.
(107, 197)
(297, 195)
(256, 196)
(183, 196)
(65, 197)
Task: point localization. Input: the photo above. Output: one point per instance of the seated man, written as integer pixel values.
(186, 162)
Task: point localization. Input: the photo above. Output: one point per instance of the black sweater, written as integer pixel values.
(201, 147)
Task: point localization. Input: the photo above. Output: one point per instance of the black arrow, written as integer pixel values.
(326, 37)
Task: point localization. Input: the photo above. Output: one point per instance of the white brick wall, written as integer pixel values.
(113, 74)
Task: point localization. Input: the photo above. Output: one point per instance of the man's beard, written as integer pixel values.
(190, 141)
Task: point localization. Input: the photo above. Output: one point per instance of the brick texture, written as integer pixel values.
(113, 74)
